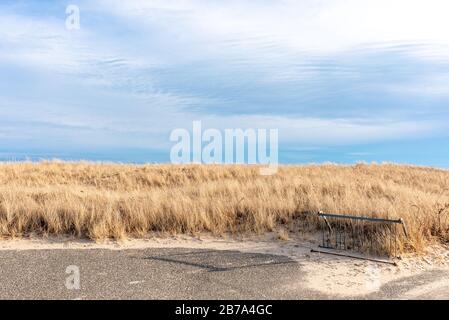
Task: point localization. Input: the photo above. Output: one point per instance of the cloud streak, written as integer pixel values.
(323, 73)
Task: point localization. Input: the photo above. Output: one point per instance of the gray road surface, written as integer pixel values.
(170, 274)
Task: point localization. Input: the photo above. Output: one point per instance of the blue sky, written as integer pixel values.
(343, 81)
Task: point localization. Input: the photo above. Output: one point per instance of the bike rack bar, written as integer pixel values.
(331, 215)
(355, 257)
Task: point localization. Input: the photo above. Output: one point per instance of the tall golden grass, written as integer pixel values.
(100, 201)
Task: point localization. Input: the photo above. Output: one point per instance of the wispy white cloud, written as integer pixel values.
(320, 26)
(45, 45)
(316, 131)
(321, 72)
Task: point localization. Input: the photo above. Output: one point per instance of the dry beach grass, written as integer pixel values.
(101, 201)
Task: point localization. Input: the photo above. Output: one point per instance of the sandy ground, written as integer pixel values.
(331, 275)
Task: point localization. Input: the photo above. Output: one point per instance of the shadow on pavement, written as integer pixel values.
(218, 261)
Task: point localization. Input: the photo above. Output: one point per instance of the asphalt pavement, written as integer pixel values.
(173, 274)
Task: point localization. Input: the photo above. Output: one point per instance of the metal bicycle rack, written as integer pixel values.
(369, 236)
